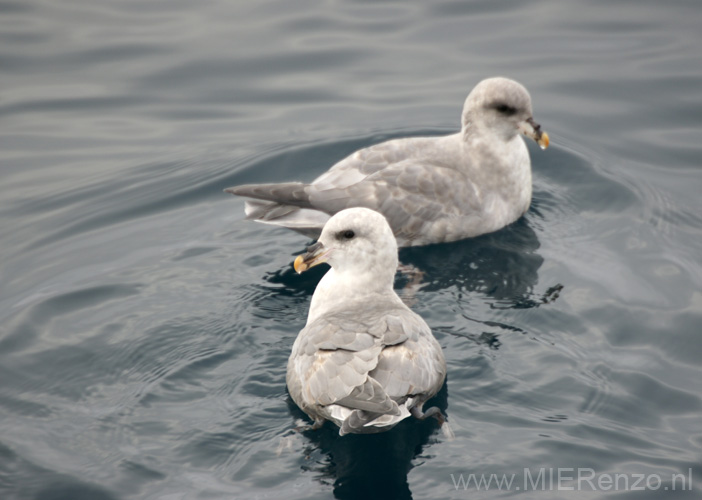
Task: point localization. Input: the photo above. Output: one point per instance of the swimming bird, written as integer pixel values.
(430, 189)
(364, 360)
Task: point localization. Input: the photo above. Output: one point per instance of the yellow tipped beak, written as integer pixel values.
(544, 140)
(532, 129)
(299, 264)
(316, 254)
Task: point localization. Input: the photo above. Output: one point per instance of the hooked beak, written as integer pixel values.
(532, 129)
(316, 254)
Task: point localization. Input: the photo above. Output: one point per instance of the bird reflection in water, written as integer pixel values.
(370, 466)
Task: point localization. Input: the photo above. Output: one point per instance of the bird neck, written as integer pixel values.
(337, 289)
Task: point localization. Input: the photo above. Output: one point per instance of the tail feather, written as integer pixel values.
(285, 193)
(285, 204)
(303, 220)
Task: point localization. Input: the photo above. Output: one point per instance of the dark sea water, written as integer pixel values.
(145, 326)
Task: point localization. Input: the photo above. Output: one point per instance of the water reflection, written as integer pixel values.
(369, 465)
(73, 488)
(502, 265)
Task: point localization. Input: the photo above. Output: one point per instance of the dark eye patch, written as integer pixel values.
(347, 234)
(505, 109)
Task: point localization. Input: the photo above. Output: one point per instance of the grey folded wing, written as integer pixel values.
(341, 360)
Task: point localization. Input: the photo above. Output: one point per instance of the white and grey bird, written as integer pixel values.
(364, 360)
(430, 189)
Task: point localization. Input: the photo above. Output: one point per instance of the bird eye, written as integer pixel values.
(505, 109)
(346, 235)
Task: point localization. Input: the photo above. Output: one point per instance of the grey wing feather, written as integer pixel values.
(333, 375)
(412, 166)
(409, 194)
(414, 367)
(342, 360)
(332, 359)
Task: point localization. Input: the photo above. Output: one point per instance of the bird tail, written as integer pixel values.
(284, 193)
(286, 205)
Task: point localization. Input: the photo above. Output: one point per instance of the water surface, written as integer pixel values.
(145, 326)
